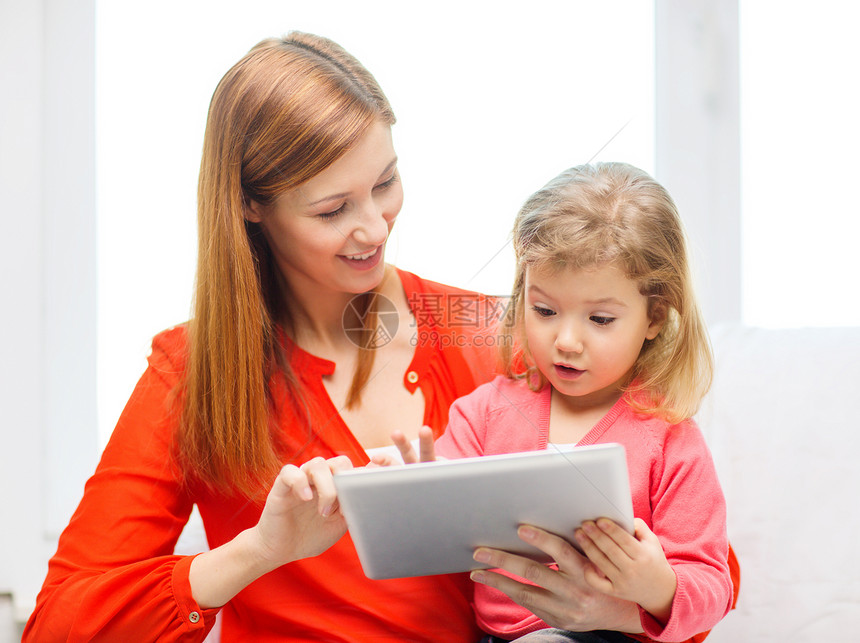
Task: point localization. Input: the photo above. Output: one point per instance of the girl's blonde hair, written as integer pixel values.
(614, 213)
(283, 114)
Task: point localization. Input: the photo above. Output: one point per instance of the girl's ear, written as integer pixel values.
(657, 316)
(253, 211)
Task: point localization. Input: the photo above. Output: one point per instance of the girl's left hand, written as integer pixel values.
(560, 597)
(631, 567)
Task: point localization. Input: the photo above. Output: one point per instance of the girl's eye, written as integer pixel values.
(332, 214)
(543, 312)
(601, 320)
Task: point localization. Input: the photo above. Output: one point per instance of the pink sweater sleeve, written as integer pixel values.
(689, 518)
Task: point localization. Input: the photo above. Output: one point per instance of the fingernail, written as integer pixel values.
(481, 555)
(477, 576)
(307, 494)
(326, 512)
(527, 533)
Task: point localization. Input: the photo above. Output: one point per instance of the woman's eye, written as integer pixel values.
(382, 187)
(388, 183)
(601, 320)
(332, 214)
(543, 312)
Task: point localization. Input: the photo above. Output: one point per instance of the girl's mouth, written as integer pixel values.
(567, 372)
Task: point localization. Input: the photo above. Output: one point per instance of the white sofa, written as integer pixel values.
(781, 423)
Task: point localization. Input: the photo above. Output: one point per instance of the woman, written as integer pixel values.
(298, 192)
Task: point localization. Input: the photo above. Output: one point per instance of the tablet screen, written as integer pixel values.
(428, 518)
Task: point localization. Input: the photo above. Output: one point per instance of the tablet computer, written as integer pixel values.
(428, 518)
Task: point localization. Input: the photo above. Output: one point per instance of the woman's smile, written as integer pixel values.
(364, 261)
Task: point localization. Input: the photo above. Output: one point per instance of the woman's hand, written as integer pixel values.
(301, 519)
(562, 598)
(632, 567)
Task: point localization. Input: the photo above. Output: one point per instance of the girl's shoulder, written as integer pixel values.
(658, 435)
(503, 393)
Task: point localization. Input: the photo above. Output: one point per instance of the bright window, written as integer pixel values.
(491, 103)
(800, 167)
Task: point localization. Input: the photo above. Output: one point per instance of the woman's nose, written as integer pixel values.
(372, 228)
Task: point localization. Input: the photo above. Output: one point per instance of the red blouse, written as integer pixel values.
(114, 576)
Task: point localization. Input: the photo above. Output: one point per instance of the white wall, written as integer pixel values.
(698, 140)
(21, 354)
(800, 167)
(491, 104)
(47, 191)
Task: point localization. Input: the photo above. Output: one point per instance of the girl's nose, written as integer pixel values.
(568, 340)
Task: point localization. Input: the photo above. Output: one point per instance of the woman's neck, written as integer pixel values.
(316, 318)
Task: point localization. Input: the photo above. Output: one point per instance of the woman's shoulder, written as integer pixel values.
(452, 309)
(170, 350)
(413, 283)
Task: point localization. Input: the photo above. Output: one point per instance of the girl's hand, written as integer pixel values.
(562, 598)
(382, 460)
(301, 517)
(426, 446)
(427, 451)
(631, 567)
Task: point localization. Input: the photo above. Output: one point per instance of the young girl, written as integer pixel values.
(609, 346)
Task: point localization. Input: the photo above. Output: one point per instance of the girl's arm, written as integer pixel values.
(688, 517)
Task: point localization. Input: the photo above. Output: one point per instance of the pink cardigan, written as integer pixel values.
(673, 483)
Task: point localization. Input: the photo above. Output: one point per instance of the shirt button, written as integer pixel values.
(194, 617)
(412, 377)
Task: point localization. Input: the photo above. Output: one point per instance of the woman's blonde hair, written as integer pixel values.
(283, 114)
(614, 213)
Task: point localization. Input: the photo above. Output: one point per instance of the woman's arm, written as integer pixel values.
(114, 575)
(301, 519)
